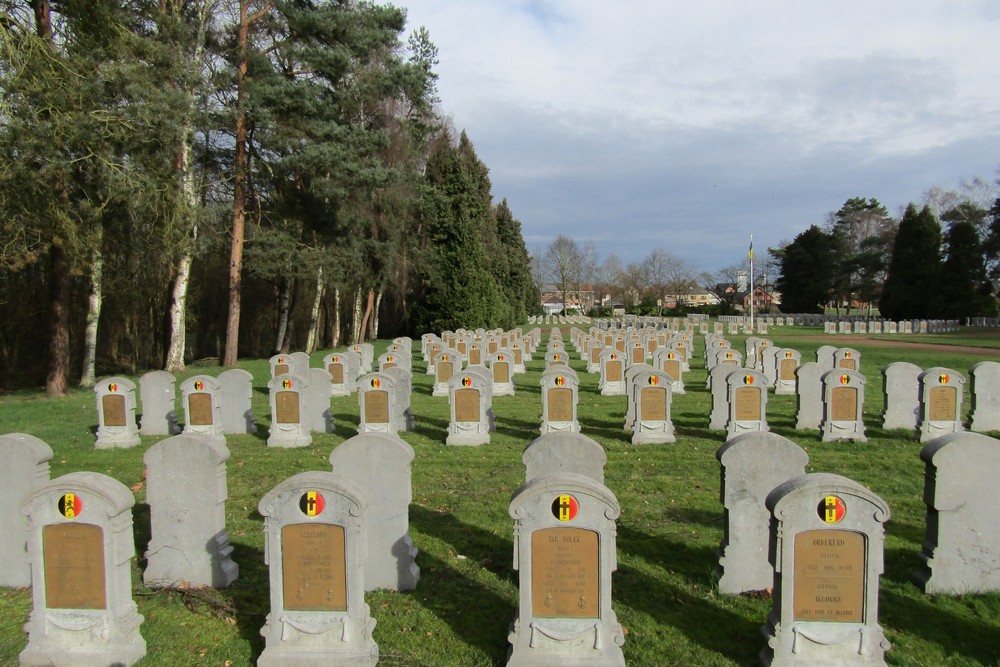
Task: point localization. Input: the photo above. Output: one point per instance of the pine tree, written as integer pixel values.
(966, 290)
(913, 281)
(808, 266)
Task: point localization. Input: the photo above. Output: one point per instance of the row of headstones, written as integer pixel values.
(889, 327)
(983, 322)
(817, 540)
(612, 355)
(558, 319)
(330, 536)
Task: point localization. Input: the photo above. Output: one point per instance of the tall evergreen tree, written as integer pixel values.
(808, 270)
(966, 290)
(913, 282)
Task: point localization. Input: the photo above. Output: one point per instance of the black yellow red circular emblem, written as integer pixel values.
(376, 383)
(70, 505)
(500, 357)
(560, 380)
(845, 379)
(466, 382)
(113, 387)
(565, 507)
(654, 380)
(748, 380)
(199, 385)
(312, 503)
(944, 378)
(788, 354)
(832, 509)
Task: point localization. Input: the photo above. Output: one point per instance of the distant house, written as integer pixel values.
(580, 300)
(691, 298)
(763, 301)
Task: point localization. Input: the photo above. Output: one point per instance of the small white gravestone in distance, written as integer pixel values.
(116, 425)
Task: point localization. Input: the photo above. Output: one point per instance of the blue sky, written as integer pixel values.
(688, 126)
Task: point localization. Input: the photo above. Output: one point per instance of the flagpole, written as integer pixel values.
(751, 284)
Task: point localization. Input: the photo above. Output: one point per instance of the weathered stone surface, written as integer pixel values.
(564, 452)
(985, 380)
(157, 394)
(25, 468)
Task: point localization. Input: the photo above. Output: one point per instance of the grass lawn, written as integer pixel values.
(670, 527)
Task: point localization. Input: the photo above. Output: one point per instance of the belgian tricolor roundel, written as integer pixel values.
(113, 387)
(845, 379)
(944, 378)
(466, 382)
(70, 505)
(286, 384)
(556, 357)
(560, 380)
(565, 507)
(788, 354)
(832, 509)
(671, 356)
(376, 383)
(654, 380)
(500, 357)
(748, 380)
(311, 503)
(199, 385)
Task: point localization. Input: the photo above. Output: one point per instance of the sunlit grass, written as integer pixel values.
(671, 524)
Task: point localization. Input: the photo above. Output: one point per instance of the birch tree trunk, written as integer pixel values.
(336, 317)
(284, 301)
(356, 321)
(313, 335)
(89, 373)
(378, 306)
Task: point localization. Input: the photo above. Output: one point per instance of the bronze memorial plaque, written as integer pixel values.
(467, 405)
(786, 370)
(377, 407)
(280, 369)
(747, 400)
(74, 566)
(638, 355)
(829, 576)
(314, 567)
(613, 371)
(672, 367)
(114, 409)
(595, 355)
(388, 365)
(475, 357)
(565, 573)
(941, 406)
(849, 364)
(445, 369)
(501, 372)
(844, 404)
(560, 404)
(200, 409)
(286, 405)
(518, 356)
(654, 404)
(336, 373)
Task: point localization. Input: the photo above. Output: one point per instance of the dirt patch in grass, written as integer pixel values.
(845, 341)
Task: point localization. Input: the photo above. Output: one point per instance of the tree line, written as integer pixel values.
(940, 261)
(190, 179)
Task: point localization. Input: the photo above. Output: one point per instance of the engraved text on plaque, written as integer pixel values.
(829, 576)
(314, 567)
(565, 573)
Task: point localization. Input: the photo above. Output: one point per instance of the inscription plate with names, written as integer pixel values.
(286, 405)
(336, 373)
(565, 573)
(388, 364)
(377, 407)
(445, 370)
(595, 355)
(475, 357)
(654, 404)
(786, 370)
(280, 369)
(73, 557)
(467, 405)
(501, 372)
(844, 404)
(314, 567)
(829, 576)
(638, 355)
(747, 401)
(672, 367)
(114, 410)
(613, 371)
(200, 409)
(850, 364)
(942, 404)
(560, 404)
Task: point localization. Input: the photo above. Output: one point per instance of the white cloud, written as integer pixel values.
(594, 116)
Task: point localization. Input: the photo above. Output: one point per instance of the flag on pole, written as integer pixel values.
(750, 253)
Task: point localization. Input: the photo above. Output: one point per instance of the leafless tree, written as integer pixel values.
(562, 264)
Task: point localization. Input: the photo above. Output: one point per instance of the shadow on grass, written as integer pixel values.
(923, 617)
(703, 621)
(435, 430)
(473, 611)
(250, 595)
(519, 429)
